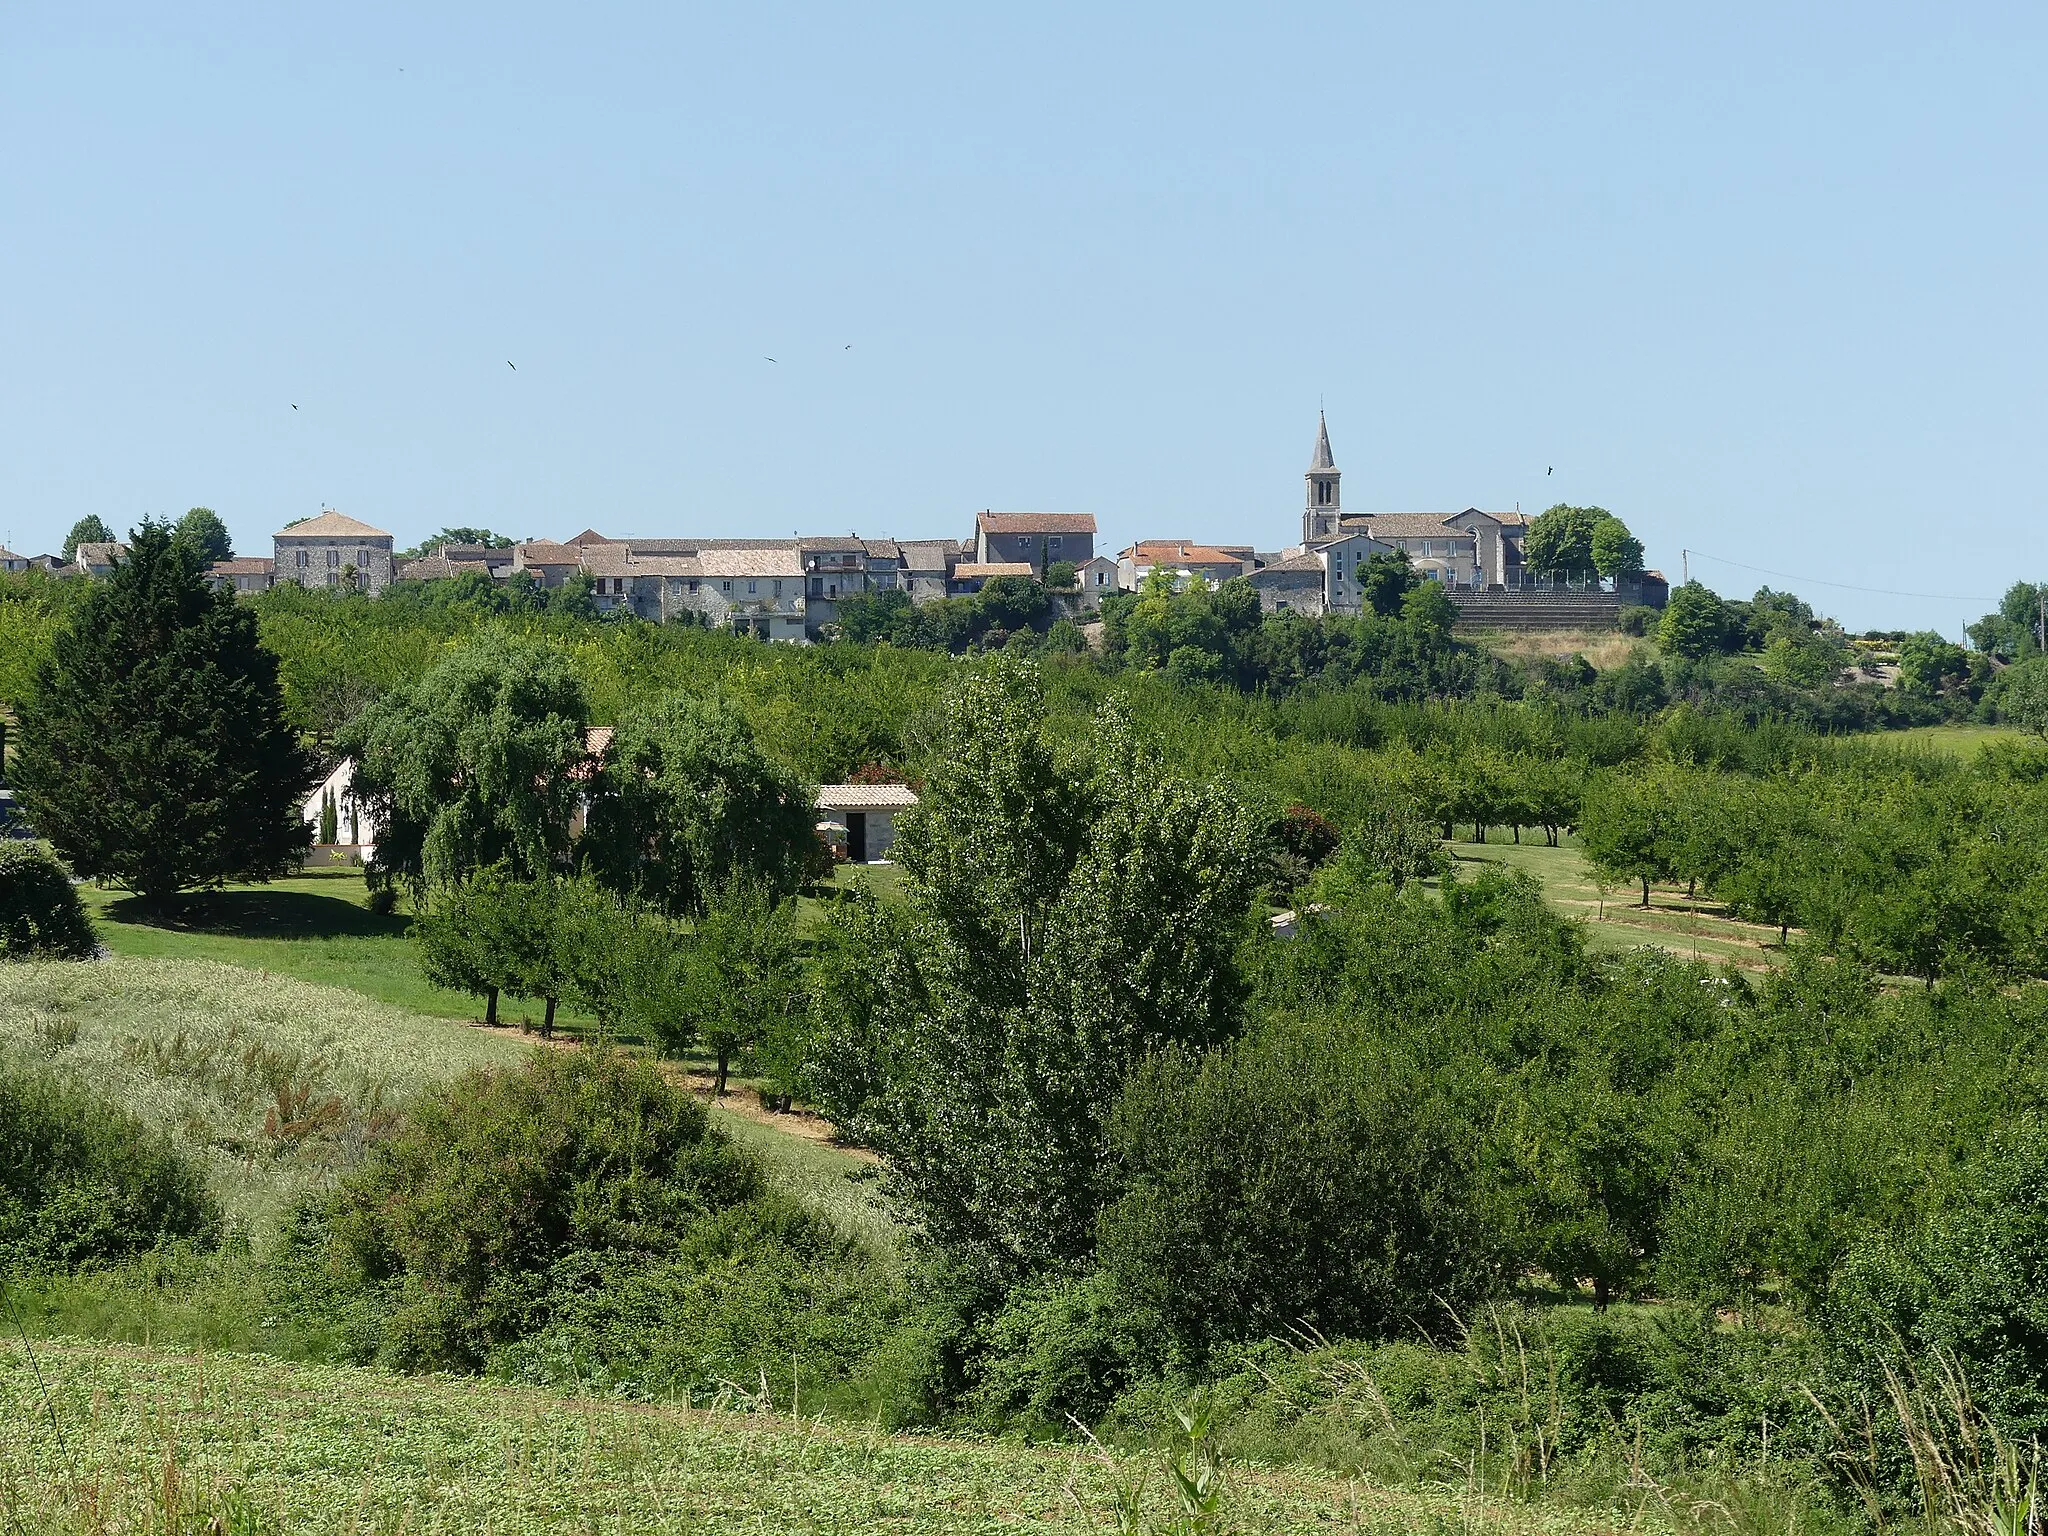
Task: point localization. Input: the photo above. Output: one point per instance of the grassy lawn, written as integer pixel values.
(317, 927)
(133, 1438)
(1696, 929)
(1958, 740)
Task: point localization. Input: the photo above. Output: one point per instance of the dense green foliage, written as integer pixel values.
(90, 529)
(154, 750)
(40, 913)
(507, 1190)
(475, 764)
(81, 1182)
(685, 801)
(202, 531)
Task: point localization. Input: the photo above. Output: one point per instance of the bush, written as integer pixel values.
(82, 1183)
(505, 1190)
(1063, 1348)
(40, 913)
(1303, 1177)
(1969, 1289)
(761, 1299)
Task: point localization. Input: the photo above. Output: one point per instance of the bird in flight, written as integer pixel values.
(849, 346)
(508, 364)
(767, 359)
(295, 407)
(1547, 472)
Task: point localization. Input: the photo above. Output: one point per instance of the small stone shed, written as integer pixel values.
(859, 820)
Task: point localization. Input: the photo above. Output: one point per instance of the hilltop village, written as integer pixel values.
(789, 589)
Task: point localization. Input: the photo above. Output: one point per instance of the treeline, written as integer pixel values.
(1918, 869)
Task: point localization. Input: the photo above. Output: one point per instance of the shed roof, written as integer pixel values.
(866, 797)
(968, 570)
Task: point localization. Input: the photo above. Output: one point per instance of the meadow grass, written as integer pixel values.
(133, 1439)
(273, 1083)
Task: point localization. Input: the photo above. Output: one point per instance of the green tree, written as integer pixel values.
(479, 762)
(329, 817)
(575, 598)
(41, 916)
(1630, 825)
(1062, 924)
(1386, 582)
(1615, 551)
(1697, 624)
(2023, 695)
(483, 536)
(454, 941)
(202, 529)
(90, 529)
(1560, 541)
(685, 800)
(154, 749)
(1931, 666)
(1059, 576)
(741, 974)
(2014, 631)
(1429, 611)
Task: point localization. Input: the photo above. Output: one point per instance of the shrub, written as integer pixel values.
(40, 913)
(504, 1190)
(1968, 1291)
(1063, 1348)
(81, 1182)
(1304, 1177)
(762, 1298)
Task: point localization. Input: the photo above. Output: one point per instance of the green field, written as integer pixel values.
(1697, 929)
(135, 1439)
(1964, 741)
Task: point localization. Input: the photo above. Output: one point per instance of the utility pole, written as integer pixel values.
(1685, 567)
(2041, 617)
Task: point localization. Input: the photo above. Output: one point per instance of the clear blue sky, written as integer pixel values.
(1766, 280)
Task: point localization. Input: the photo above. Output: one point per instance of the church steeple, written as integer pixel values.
(1325, 507)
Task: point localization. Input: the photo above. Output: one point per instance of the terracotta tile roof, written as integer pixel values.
(253, 566)
(928, 555)
(99, 553)
(331, 525)
(1158, 550)
(1289, 567)
(1036, 522)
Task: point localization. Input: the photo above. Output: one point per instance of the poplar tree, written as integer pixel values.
(154, 750)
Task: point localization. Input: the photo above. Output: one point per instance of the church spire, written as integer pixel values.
(1325, 508)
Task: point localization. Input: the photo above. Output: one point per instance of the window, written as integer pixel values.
(753, 586)
(725, 586)
(693, 586)
(333, 558)
(1055, 541)
(301, 560)
(778, 589)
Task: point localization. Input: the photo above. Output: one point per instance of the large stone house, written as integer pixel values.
(1036, 539)
(331, 551)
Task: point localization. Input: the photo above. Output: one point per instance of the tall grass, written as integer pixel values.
(274, 1084)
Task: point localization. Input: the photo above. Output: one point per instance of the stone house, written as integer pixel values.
(858, 821)
(10, 562)
(322, 551)
(97, 559)
(1094, 579)
(1210, 563)
(252, 575)
(1036, 539)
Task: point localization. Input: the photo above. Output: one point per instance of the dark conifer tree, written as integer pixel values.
(153, 745)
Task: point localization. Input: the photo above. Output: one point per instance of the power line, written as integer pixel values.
(1939, 597)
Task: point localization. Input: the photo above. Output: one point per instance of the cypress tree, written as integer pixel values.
(154, 750)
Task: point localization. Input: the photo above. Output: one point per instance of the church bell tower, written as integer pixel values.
(1325, 508)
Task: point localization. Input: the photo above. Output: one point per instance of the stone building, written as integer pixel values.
(1036, 539)
(332, 550)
